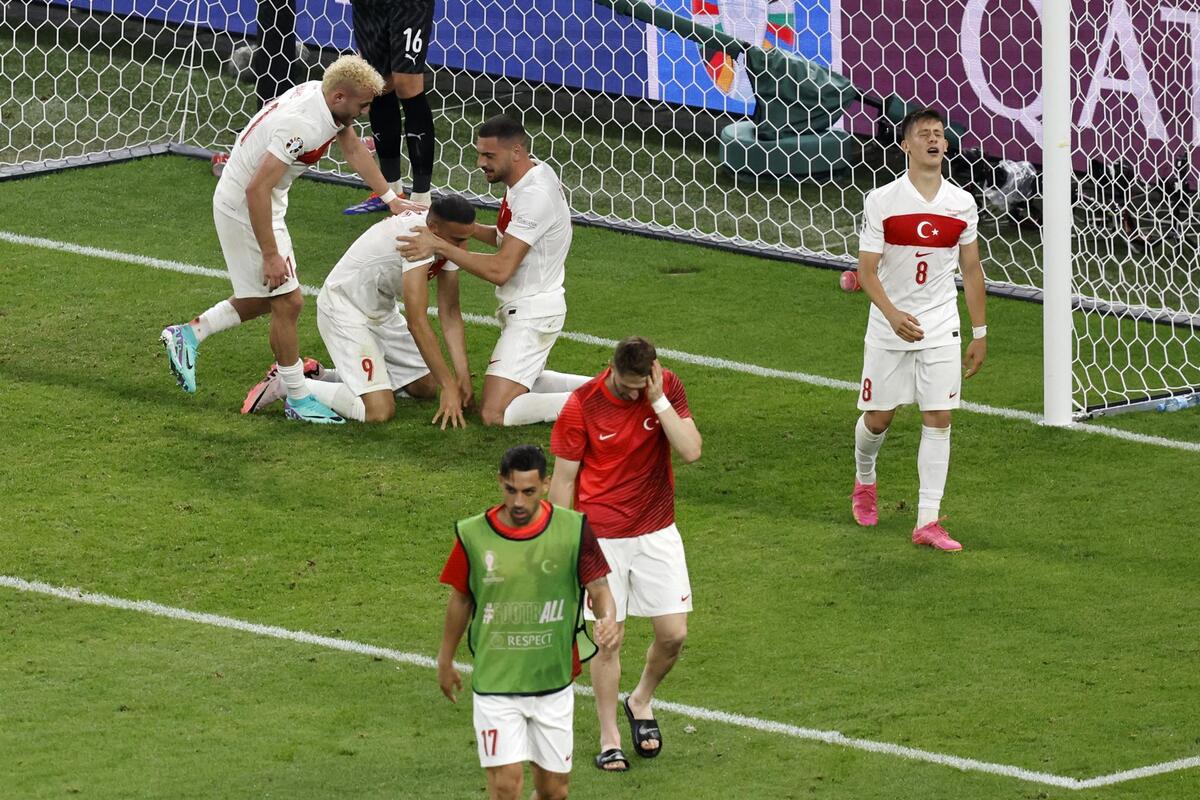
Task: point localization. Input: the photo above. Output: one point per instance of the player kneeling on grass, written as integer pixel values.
(285, 138)
(916, 231)
(517, 573)
(377, 351)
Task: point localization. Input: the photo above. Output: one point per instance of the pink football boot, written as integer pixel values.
(935, 536)
(863, 503)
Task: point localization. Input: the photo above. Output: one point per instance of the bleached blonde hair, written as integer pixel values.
(352, 71)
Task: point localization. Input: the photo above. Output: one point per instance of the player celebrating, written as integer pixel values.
(533, 233)
(286, 137)
(393, 35)
(916, 230)
(516, 572)
(375, 354)
(613, 444)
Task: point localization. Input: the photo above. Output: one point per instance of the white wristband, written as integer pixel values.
(979, 331)
(388, 196)
(661, 404)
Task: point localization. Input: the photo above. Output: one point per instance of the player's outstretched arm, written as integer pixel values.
(682, 433)
(358, 157)
(905, 325)
(416, 292)
(562, 482)
(975, 292)
(455, 333)
(605, 610)
(494, 268)
(458, 615)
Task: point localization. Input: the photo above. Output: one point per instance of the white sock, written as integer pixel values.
(220, 317)
(866, 449)
(933, 462)
(550, 381)
(397, 186)
(329, 375)
(528, 408)
(338, 397)
(424, 198)
(293, 379)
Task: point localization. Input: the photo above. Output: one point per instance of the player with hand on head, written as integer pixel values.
(533, 234)
(393, 36)
(916, 232)
(613, 443)
(379, 353)
(517, 574)
(285, 138)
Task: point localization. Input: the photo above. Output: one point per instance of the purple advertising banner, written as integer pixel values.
(1135, 72)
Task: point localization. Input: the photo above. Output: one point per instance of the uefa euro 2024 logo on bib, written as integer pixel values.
(489, 561)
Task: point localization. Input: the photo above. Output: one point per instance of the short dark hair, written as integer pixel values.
(634, 356)
(504, 128)
(920, 115)
(523, 458)
(453, 208)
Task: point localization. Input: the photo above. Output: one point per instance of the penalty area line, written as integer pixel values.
(587, 338)
(694, 712)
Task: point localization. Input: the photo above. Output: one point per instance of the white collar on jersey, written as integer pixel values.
(937, 198)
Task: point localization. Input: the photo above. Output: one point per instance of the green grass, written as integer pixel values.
(1061, 640)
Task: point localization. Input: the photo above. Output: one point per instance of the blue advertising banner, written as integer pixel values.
(572, 43)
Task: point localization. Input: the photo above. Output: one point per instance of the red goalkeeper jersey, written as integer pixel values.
(625, 483)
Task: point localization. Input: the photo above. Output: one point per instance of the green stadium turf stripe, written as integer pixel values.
(587, 338)
(694, 712)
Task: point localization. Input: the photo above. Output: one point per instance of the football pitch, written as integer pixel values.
(258, 606)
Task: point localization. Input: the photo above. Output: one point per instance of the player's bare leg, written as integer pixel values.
(423, 388)
(549, 785)
(506, 782)
(507, 402)
(498, 394)
(869, 433)
(606, 684)
(285, 344)
(670, 633)
(249, 308)
(284, 335)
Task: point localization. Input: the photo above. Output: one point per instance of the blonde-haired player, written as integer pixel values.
(916, 232)
(287, 136)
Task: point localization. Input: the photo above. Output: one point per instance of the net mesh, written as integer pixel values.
(656, 123)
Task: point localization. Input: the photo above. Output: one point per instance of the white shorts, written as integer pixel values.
(369, 356)
(524, 346)
(513, 729)
(932, 378)
(243, 258)
(649, 576)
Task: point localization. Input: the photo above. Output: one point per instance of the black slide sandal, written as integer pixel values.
(642, 731)
(612, 756)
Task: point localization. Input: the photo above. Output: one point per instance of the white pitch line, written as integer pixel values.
(587, 338)
(693, 712)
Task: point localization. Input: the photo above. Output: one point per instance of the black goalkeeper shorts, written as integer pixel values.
(393, 35)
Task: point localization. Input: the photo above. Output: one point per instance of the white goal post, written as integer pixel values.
(754, 125)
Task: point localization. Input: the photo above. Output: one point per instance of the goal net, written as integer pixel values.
(749, 124)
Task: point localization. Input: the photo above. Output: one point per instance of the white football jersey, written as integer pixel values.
(297, 128)
(535, 211)
(919, 242)
(371, 273)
